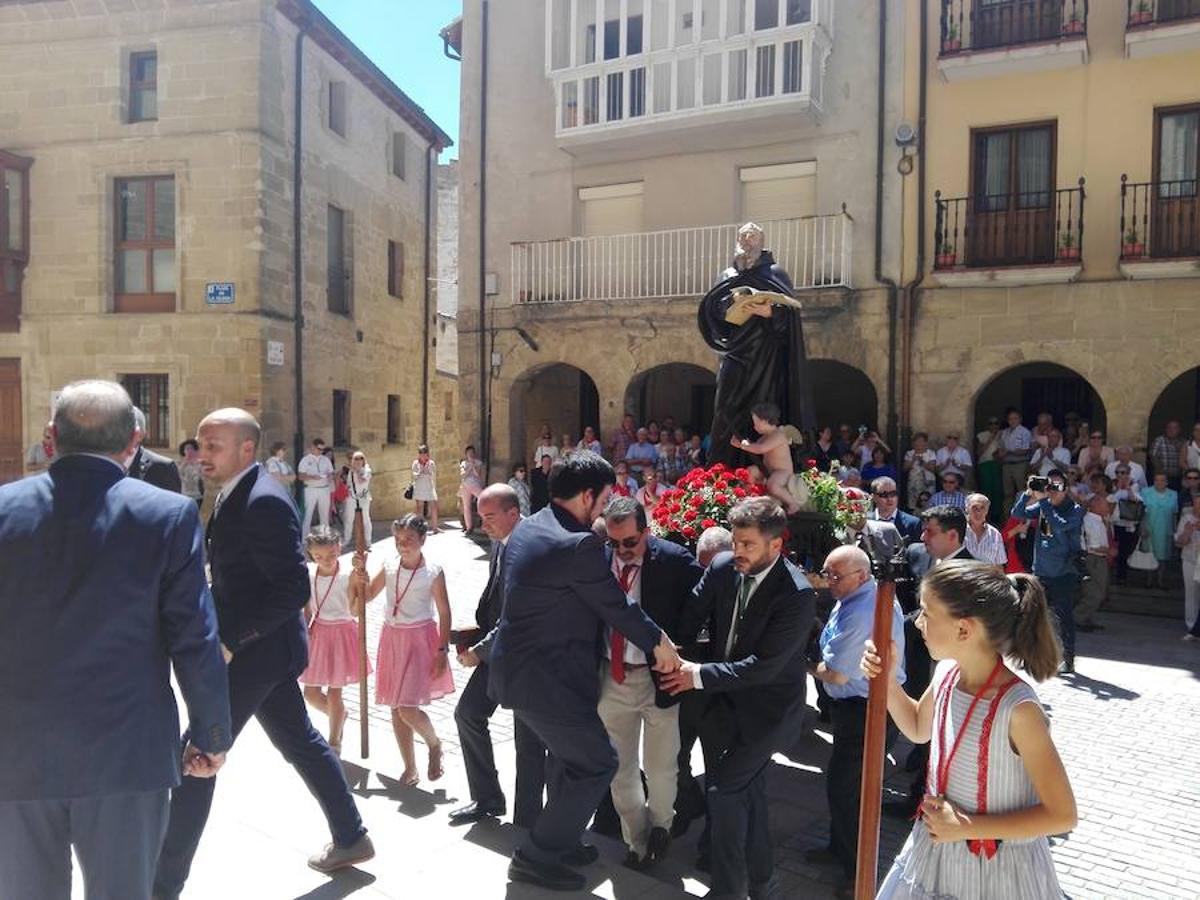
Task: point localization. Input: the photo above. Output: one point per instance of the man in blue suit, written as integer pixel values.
(102, 590)
(260, 584)
(559, 594)
(759, 610)
(886, 498)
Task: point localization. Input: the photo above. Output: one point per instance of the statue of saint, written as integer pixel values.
(761, 345)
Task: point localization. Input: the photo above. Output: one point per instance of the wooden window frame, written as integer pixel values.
(395, 419)
(341, 418)
(151, 301)
(395, 272)
(13, 261)
(159, 395)
(1012, 129)
(1159, 112)
(135, 86)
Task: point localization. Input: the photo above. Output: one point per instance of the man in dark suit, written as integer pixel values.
(102, 591)
(642, 721)
(151, 467)
(559, 593)
(759, 609)
(942, 533)
(260, 584)
(886, 498)
(499, 513)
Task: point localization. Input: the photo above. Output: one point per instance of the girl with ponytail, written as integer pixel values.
(997, 787)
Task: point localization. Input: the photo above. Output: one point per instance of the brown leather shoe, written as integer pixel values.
(333, 857)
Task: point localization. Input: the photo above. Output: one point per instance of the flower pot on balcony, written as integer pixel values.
(1130, 250)
(951, 45)
(1068, 254)
(946, 261)
(1141, 17)
(1074, 26)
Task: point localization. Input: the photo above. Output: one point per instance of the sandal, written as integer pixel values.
(410, 778)
(435, 762)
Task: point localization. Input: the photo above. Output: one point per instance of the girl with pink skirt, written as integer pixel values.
(333, 657)
(413, 664)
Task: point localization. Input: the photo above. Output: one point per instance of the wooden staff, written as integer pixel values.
(873, 743)
(361, 547)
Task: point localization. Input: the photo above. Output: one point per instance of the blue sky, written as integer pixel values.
(401, 37)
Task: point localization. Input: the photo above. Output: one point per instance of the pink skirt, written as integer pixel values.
(333, 659)
(405, 660)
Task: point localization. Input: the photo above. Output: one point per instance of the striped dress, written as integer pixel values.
(1020, 868)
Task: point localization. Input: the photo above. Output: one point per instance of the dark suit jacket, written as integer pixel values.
(559, 593)
(668, 577)
(154, 469)
(259, 578)
(101, 590)
(907, 524)
(491, 604)
(761, 687)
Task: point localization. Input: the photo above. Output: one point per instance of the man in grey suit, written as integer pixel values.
(102, 591)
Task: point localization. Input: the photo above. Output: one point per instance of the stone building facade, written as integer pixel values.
(162, 219)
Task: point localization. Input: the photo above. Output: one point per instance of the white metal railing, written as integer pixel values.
(749, 67)
(682, 262)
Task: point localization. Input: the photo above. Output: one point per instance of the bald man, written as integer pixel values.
(260, 585)
(848, 571)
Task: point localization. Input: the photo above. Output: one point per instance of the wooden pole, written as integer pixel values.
(361, 547)
(873, 746)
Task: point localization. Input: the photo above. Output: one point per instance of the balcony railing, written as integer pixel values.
(733, 67)
(1033, 228)
(681, 262)
(1160, 219)
(1143, 13)
(975, 25)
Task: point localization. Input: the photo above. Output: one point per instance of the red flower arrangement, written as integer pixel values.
(701, 499)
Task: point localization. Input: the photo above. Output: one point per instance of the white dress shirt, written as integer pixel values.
(755, 581)
(633, 655)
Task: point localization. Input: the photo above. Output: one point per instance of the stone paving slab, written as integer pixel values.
(1126, 726)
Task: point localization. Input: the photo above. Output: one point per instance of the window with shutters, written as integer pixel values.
(341, 418)
(787, 191)
(395, 273)
(395, 424)
(143, 87)
(144, 216)
(611, 208)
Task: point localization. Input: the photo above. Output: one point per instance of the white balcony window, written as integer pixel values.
(682, 63)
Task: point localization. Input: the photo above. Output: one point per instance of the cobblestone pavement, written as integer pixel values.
(1125, 724)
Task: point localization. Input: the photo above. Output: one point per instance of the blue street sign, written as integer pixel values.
(217, 292)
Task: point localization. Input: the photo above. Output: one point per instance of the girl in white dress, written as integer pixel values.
(424, 484)
(470, 483)
(996, 785)
(413, 664)
(333, 657)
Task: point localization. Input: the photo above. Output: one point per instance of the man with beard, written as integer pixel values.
(759, 610)
(762, 360)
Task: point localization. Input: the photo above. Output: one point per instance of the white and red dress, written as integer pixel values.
(410, 639)
(333, 657)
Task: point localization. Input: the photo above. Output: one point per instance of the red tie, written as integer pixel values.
(617, 651)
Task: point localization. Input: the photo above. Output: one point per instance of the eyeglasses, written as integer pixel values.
(628, 543)
(1096, 437)
(834, 577)
(1191, 477)
(1122, 471)
(886, 494)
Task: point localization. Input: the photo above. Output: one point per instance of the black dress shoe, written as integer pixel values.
(581, 855)
(657, 845)
(551, 876)
(473, 812)
(1068, 666)
(633, 861)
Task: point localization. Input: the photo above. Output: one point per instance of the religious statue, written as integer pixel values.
(751, 318)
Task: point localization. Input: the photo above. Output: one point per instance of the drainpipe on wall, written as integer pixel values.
(893, 430)
(297, 256)
(485, 379)
(430, 172)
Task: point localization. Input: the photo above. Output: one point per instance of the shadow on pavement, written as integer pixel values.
(414, 802)
(1101, 690)
(343, 884)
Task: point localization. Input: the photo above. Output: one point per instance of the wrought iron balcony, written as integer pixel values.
(968, 25)
(680, 262)
(1034, 228)
(1160, 220)
(1144, 13)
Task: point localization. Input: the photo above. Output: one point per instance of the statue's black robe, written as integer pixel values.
(762, 361)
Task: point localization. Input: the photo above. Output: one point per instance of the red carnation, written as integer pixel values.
(689, 532)
(722, 485)
(697, 501)
(757, 490)
(810, 463)
(676, 507)
(719, 467)
(690, 515)
(709, 523)
(739, 492)
(721, 498)
(742, 472)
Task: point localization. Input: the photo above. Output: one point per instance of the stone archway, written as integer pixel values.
(842, 394)
(559, 394)
(1036, 387)
(684, 391)
(1179, 400)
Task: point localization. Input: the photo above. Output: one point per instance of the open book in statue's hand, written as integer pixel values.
(746, 299)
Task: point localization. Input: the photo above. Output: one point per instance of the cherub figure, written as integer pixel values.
(775, 450)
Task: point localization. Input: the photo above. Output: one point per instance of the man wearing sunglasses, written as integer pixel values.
(887, 509)
(641, 720)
